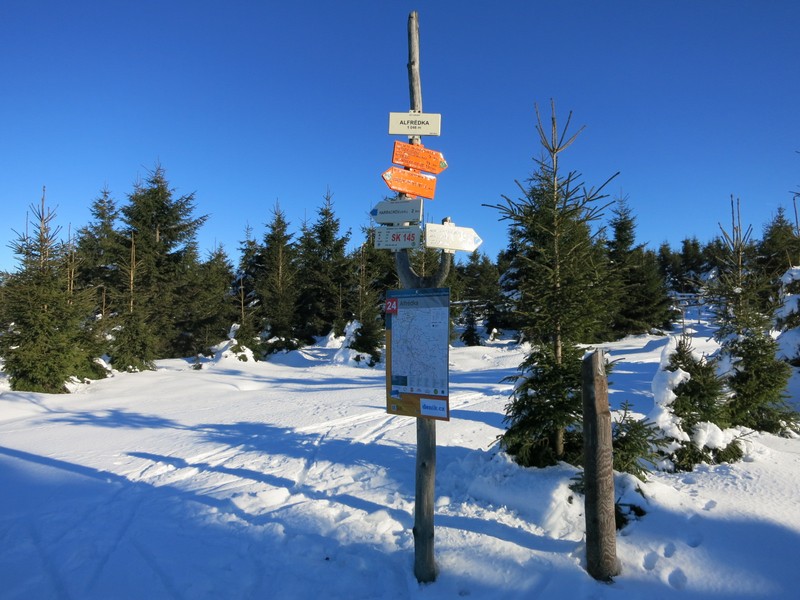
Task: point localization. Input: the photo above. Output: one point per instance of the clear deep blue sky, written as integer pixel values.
(251, 102)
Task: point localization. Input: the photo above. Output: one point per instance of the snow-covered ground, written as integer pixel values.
(288, 479)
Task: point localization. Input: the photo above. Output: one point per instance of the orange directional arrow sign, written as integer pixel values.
(417, 156)
(410, 182)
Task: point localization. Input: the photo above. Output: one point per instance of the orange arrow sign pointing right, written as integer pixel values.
(417, 156)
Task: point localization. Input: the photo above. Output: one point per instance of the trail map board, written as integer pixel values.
(417, 348)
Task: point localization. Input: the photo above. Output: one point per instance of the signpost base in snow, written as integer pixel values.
(424, 560)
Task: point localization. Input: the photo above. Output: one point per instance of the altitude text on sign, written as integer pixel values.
(415, 123)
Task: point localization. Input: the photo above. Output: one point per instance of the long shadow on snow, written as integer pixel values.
(317, 383)
(73, 531)
(116, 418)
(489, 418)
(397, 460)
(257, 437)
(275, 481)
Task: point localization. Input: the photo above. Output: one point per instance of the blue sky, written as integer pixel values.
(247, 103)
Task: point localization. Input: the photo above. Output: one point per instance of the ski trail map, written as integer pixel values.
(418, 343)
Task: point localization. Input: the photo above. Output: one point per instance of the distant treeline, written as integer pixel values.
(132, 287)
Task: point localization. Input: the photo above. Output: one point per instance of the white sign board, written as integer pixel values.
(450, 237)
(397, 211)
(411, 123)
(397, 238)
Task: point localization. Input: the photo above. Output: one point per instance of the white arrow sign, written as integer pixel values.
(397, 238)
(397, 211)
(450, 237)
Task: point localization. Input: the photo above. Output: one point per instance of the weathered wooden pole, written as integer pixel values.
(601, 541)
(424, 561)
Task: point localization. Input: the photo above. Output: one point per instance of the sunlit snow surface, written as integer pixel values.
(288, 479)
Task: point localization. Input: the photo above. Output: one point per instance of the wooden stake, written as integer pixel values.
(601, 541)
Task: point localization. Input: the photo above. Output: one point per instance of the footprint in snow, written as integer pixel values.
(677, 579)
(650, 561)
(695, 537)
(669, 550)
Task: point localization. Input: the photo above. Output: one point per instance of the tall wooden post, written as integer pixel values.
(424, 562)
(601, 541)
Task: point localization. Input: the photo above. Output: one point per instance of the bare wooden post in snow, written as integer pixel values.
(424, 562)
(601, 541)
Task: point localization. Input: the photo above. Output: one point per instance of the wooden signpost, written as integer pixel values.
(424, 563)
(411, 323)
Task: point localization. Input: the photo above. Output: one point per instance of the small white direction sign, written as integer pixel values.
(450, 237)
(397, 238)
(397, 211)
(415, 123)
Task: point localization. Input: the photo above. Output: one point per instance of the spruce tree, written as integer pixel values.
(324, 276)
(691, 266)
(470, 335)
(482, 290)
(545, 409)
(639, 295)
(369, 337)
(787, 317)
(380, 263)
(212, 310)
(758, 384)
(277, 287)
(558, 268)
(44, 344)
(3, 317)
(508, 268)
(777, 251)
(699, 399)
(755, 376)
(100, 249)
(250, 319)
(165, 231)
(669, 265)
(134, 346)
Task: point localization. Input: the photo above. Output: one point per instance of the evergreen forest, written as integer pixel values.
(132, 287)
